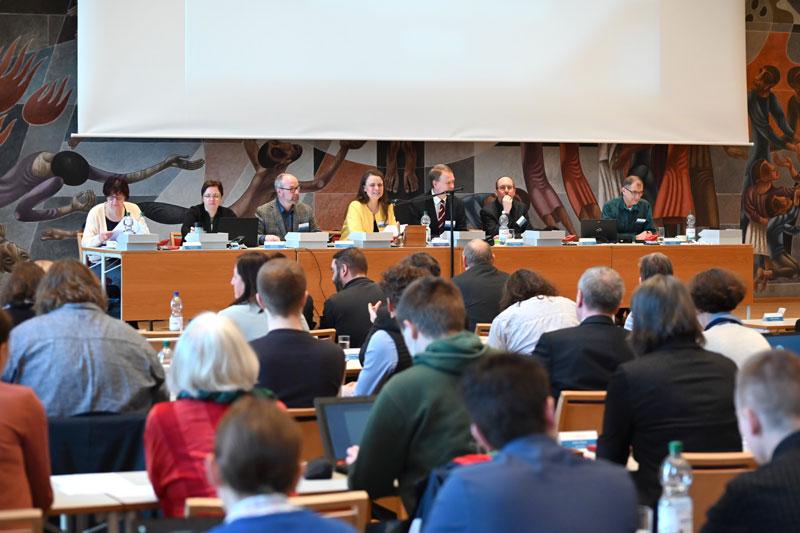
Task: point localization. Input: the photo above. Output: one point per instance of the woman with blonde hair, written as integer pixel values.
(212, 367)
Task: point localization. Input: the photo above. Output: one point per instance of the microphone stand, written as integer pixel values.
(450, 196)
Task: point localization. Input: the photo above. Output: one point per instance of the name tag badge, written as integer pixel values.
(303, 226)
(381, 224)
(448, 224)
(521, 221)
(640, 220)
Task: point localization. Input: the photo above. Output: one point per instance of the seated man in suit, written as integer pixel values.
(632, 212)
(256, 465)
(347, 310)
(481, 284)
(506, 202)
(584, 357)
(296, 366)
(768, 410)
(442, 181)
(531, 483)
(286, 212)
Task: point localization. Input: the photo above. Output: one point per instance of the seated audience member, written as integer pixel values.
(716, 293)
(632, 212)
(650, 265)
(442, 181)
(208, 213)
(384, 352)
(768, 410)
(585, 356)
(347, 310)
(245, 311)
(531, 306)
(24, 455)
(255, 466)
(505, 202)
(18, 293)
(286, 212)
(293, 364)
(672, 390)
(419, 421)
(481, 284)
(75, 357)
(213, 366)
(531, 483)
(371, 211)
(425, 261)
(10, 256)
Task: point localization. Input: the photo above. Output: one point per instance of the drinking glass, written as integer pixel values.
(344, 342)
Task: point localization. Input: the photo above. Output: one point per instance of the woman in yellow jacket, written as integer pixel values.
(371, 210)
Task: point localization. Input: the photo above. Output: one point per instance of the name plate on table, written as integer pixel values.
(206, 241)
(363, 239)
(316, 239)
(463, 237)
(721, 236)
(132, 242)
(543, 238)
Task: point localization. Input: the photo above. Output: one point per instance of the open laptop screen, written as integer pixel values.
(603, 230)
(247, 228)
(341, 423)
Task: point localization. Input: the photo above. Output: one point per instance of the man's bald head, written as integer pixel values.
(477, 252)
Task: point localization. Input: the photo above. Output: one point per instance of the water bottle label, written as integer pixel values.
(675, 516)
(175, 323)
(690, 234)
(504, 235)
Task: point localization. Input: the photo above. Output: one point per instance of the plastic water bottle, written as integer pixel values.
(127, 222)
(690, 220)
(176, 312)
(675, 505)
(504, 233)
(426, 221)
(165, 354)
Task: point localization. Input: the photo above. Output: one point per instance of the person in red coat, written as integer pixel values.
(212, 367)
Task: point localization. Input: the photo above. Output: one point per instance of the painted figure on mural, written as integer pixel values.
(543, 198)
(579, 193)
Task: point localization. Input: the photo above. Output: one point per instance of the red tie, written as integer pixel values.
(440, 215)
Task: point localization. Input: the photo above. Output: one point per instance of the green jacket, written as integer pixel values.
(627, 227)
(418, 421)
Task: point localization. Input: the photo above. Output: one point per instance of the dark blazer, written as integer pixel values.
(198, 214)
(347, 310)
(481, 287)
(583, 357)
(767, 499)
(677, 392)
(459, 214)
(490, 217)
(270, 221)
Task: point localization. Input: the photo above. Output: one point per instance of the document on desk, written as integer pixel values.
(129, 485)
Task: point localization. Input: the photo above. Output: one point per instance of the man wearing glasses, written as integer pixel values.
(285, 213)
(632, 212)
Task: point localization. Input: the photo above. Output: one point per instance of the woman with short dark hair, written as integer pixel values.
(106, 218)
(672, 390)
(208, 213)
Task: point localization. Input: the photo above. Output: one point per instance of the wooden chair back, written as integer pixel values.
(352, 506)
(21, 520)
(324, 334)
(580, 411)
(306, 417)
(81, 253)
(482, 329)
(711, 473)
(175, 238)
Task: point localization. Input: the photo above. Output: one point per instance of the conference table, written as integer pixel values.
(203, 276)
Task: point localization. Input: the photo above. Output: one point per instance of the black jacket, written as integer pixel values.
(583, 357)
(677, 392)
(490, 217)
(347, 310)
(198, 213)
(767, 499)
(481, 287)
(421, 206)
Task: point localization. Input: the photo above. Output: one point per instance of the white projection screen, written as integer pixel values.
(655, 71)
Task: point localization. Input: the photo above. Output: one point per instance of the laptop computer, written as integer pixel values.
(603, 230)
(341, 423)
(785, 341)
(244, 228)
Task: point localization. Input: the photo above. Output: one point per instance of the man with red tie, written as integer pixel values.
(442, 181)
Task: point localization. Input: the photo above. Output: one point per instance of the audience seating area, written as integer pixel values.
(580, 411)
(711, 473)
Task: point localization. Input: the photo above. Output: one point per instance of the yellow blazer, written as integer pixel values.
(360, 218)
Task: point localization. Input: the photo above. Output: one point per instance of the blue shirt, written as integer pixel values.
(287, 215)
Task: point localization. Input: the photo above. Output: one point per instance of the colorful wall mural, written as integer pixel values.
(44, 195)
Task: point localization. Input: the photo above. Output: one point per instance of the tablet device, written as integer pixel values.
(341, 423)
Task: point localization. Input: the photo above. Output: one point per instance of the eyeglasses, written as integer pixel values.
(212, 196)
(118, 197)
(634, 193)
(290, 189)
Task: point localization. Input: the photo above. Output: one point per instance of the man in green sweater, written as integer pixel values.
(419, 420)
